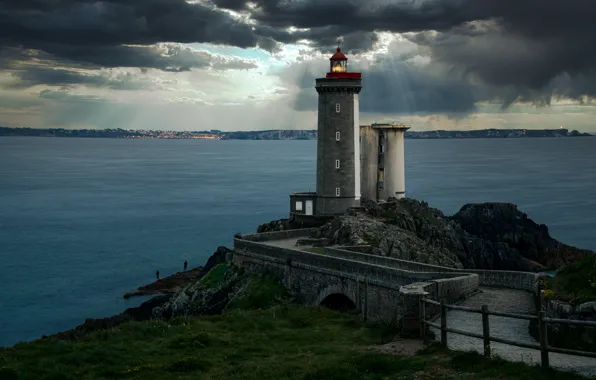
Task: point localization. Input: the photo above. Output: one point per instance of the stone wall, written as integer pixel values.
(379, 292)
(504, 279)
(279, 235)
(346, 266)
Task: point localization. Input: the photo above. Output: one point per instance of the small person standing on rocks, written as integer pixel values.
(185, 264)
(157, 274)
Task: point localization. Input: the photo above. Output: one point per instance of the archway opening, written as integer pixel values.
(338, 302)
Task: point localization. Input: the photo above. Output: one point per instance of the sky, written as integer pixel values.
(251, 65)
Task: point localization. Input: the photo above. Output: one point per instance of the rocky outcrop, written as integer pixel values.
(204, 298)
(174, 283)
(275, 225)
(504, 223)
(385, 239)
(146, 310)
(480, 236)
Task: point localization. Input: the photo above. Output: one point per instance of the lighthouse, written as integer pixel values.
(347, 170)
(338, 143)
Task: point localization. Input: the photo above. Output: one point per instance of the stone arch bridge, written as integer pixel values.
(379, 288)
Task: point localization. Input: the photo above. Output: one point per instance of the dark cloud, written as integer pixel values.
(64, 78)
(397, 87)
(117, 33)
(167, 57)
(520, 48)
(528, 50)
(38, 24)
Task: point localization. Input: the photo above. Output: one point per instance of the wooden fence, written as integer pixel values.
(485, 336)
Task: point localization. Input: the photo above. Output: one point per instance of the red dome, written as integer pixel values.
(338, 56)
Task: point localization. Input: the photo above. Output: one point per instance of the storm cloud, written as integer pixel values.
(473, 51)
(519, 46)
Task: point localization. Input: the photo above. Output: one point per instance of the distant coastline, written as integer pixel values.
(277, 134)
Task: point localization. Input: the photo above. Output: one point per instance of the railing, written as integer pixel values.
(485, 336)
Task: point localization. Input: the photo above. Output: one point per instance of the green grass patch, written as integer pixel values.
(215, 276)
(281, 342)
(261, 292)
(576, 283)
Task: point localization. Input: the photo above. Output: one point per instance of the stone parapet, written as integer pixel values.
(379, 291)
(279, 235)
(491, 278)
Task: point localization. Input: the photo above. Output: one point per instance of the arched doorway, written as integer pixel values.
(338, 302)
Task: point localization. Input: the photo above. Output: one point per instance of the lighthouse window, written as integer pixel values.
(337, 164)
(298, 206)
(336, 136)
(337, 191)
(337, 107)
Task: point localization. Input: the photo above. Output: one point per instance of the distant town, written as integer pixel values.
(277, 134)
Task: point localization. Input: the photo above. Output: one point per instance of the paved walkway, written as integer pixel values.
(511, 301)
(285, 243)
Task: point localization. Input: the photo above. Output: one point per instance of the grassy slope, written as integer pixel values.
(276, 342)
(576, 282)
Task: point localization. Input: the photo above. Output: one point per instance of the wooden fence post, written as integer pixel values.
(485, 331)
(543, 340)
(358, 296)
(422, 319)
(365, 296)
(443, 324)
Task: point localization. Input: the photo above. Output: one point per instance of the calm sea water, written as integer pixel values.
(82, 221)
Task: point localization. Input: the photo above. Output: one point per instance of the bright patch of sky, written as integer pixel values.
(252, 53)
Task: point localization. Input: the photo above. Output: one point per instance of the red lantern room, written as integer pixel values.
(338, 67)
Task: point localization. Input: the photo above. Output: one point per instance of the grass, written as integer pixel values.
(261, 337)
(576, 283)
(215, 276)
(281, 342)
(262, 292)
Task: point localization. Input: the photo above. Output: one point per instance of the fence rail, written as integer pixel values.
(543, 322)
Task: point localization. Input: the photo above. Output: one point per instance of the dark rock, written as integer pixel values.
(200, 299)
(488, 236)
(504, 223)
(218, 257)
(275, 225)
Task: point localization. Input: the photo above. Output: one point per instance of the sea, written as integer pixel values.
(83, 221)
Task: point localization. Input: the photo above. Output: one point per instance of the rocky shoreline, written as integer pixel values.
(480, 236)
(144, 312)
(168, 285)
